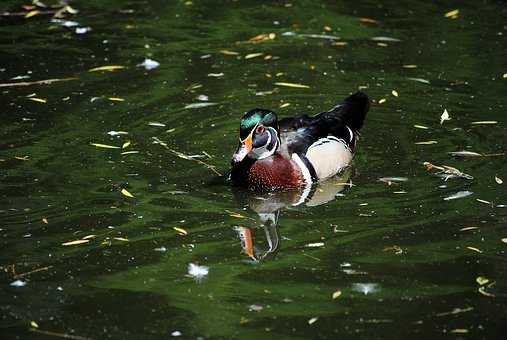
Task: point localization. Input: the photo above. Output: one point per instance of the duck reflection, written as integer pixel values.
(269, 205)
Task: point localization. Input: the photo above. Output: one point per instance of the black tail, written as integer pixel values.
(353, 110)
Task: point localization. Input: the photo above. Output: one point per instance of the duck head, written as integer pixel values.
(258, 135)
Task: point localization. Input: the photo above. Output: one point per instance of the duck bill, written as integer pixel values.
(244, 148)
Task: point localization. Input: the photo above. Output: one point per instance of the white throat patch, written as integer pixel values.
(263, 151)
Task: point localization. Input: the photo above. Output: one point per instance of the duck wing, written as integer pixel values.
(342, 122)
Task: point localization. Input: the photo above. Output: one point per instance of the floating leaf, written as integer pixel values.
(106, 68)
(409, 66)
(485, 122)
(253, 55)
(385, 39)
(337, 294)
(468, 228)
(445, 116)
(394, 93)
(199, 105)
(216, 75)
(504, 76)
(181, 231)
(197, 271)
(459, 194)
(227, 52)
(465, 154)
(315, 245)
(312, 320)
(123, 239)
(420, 80)
(284, 105)
(34, 324)
(156, 124)
(428, 142)
(481, 280)
(475, 249)
(126, 193)
(483, 201)
(504, 240)
(149, 64)
(105, 146)
(295, 85)
(125, 145)
(459, 331)
(116, 99)
(128, 152)
(452, 13)
(31, 14)
(381, 101)
(89, 237)
(393, 179)
(45, 220)
(368, 20)
(483, 291)
(38, 100)
(421, 127)
(498, 180)
(76, 242)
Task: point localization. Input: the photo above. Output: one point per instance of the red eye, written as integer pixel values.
(260, 129)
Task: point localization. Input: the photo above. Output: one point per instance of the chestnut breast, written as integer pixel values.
(275, 172)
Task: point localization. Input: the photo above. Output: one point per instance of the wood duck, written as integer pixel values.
(298, 151)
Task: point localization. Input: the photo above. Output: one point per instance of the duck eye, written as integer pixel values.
(260, 129)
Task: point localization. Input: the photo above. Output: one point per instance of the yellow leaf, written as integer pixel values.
(76, 242)
(337, 294)
(484, 122)
(481, 280)
(459, 331)
(504, 76)
(89, 237)
(236, 215)
(452, 13)
(126, 193)
(410, 66)
(368, 20)
(284, 105)
(125, 145)
(468, 228)
(382, 101)
(45, 220)
(428, 142)
(121, 239)
(34, 324)
(116, 99)
(483, 201)
(181, 231)
(295, 85)
(395, 93)
(129, 152)
(226, 52)
(312, 320)
(105, 146)
(31, 14)
(504, 240)
(38, 100)
(474, 249)
(483, 291)
(106, 68)
(253, 55)
(421, 127)
(498, 180)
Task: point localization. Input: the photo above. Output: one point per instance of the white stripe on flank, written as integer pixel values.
(351, 133)
(306, 175)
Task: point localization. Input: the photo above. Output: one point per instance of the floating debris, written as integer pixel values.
(445, 116)
(385, 39)
(426, 142)
(82, 30)
(161, 249)
(157, 124)
(199, 105)
(498, 180)
(394, 93)
(319, 36)
(315, 245)
(465, 154)
(180, 231)
(366, 288)
(75, 242)
(197, 272)
(393, 179)
(106, 68)
(459, 194)
(421, 127)
(485, 122)
(38, 100)
(117, 133)
(255, 308)
(149, 64)
(313, 320)
(420, 80)
(253, 55)
(126, 193)
(294, 85)
(382, 101)
(104, 146)
(18, 283)
(447, 171)
(216, 75)
(474, 249)
(452, 14)
(336, 294)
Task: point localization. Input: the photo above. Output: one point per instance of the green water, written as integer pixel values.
(395, 252)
